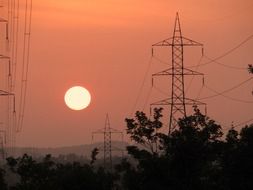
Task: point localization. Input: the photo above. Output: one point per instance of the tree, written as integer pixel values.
(193, 149)
(185, 159)
(150, 170)
(47, 174)
(3, 185)
(33, 175)
(144, 131)
(250, 69)
(94, 154)
(237, 159)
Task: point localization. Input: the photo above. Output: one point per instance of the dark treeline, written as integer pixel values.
(195, 156)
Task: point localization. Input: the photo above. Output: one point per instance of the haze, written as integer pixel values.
(105, 46)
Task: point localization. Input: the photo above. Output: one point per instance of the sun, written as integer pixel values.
(77, 98)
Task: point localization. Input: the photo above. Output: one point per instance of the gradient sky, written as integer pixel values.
(105, 46)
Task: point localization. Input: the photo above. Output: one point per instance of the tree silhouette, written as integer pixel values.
(195, 156)
(237, 159)
(193, 149)
(50, 175)
(144, 131)
(3, 185)
(250, 69)
(188, 158)
(94, 154)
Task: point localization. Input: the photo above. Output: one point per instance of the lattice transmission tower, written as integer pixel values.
(8, 54)
(13, 51)
(108, 147)
(177, 101)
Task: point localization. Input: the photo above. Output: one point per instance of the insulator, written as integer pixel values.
(203, 81)
(14, 104)
(9, 67)
(152, 82)
(152, 51)
(205, 110)
(202, 51)
(7, 31)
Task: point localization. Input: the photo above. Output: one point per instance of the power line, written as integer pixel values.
(15, 57)
(161, 91)
(244, 122)
(224, 65)
(217, 93)
(197, 66)
(225, 91)
(147, 98)
(160, 61)
(25, 61)
(217, 58)
(228, 97)
(234, 48)
(226, 53)
(142, 86)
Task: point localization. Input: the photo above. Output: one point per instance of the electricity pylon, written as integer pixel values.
(7, 130)
(177, 101)
(107, 149)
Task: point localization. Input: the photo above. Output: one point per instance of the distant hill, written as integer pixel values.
(80, 150)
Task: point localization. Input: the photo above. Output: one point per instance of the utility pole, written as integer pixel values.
(107, 149)
(177, 100)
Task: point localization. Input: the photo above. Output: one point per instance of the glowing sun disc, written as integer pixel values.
(77, 98)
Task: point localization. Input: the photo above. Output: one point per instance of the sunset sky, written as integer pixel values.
(105, 46)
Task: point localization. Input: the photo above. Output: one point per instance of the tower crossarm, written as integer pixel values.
(191, 72)
(168, 101)
(170, 42)
(170, 72)
(192, 102)
(166, 42)
(164, 102)
(5, 93)
(4, 57)
(189, 42)
(3, 20)
(100, 131)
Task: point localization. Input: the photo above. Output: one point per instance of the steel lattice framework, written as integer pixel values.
(177, 101)
(107, 149)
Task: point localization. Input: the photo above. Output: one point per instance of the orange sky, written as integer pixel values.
(105, 47)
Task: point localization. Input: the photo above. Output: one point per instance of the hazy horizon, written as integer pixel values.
(105, 46)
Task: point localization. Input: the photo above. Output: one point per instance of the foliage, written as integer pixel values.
(250, 69)
(94, 154)
(193, 156)
(49, 175)
(237, 159)
(2, 181)
(145, 131)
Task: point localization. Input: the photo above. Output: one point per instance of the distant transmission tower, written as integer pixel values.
(107, 132)
(177, 101)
